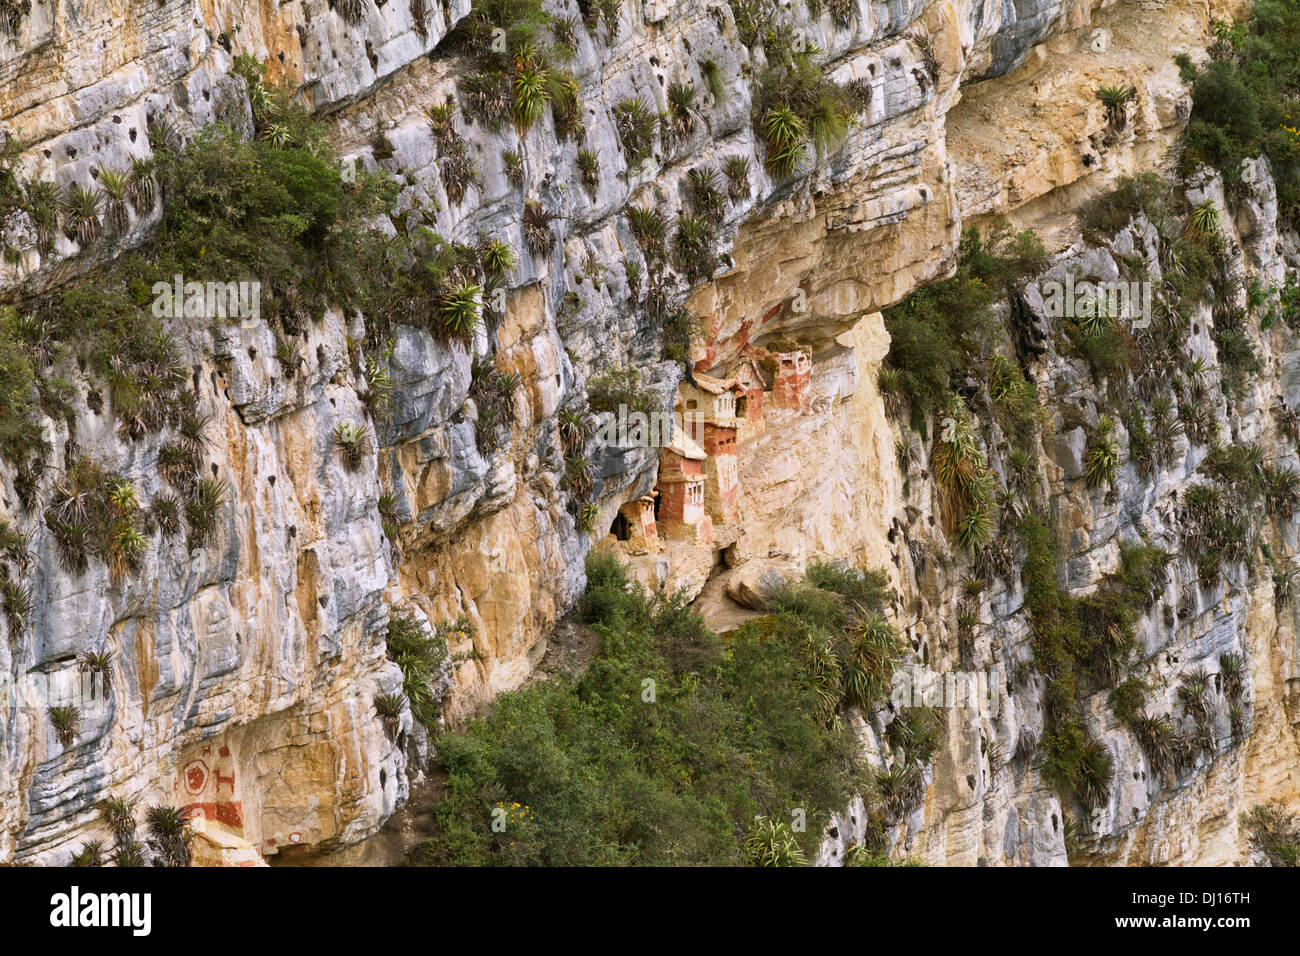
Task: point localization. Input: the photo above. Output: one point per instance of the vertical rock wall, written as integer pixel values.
(246, 670)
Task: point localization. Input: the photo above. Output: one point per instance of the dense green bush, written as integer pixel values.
(938, 333)
(273, 209)
(17, 388)
(1112, 211)
(619, 387)
(246, 208)
(609, 768)
(421, 656)
(1244, 101)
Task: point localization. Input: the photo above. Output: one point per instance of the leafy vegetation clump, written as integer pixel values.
(796, 108)
(619, 388)
(1112, 211)
(941, 331)
(1090, 637)
(1244, 101)
(421, 656)
(1274, 833)
(674, 740)
(273, 209)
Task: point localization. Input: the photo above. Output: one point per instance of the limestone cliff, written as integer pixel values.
(245, 670)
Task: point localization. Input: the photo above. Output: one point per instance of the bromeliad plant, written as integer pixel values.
(532, 87)
(1116, 100)
(353, 441)
(648, 229)
(736, 169)
(461, 308)
(706, 196)
(83, 208)
(681, 112)
(636, 125)
(65, 719)
(497, 258)
(965, 484)
(389, 708)
(1102, 457)
(589, 168)
(170, 835)
(694, 254)
(786, 135)
(117, 190)
(538, 233)
(772, 843)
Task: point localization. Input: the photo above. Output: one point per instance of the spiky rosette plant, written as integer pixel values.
(353, 442)
(1116, 100)
(786, 136)
(65, 718)
(538, 232)
(389, 708)
(1101, 460)
(461, 309)
(116, 185)
(965, 484)
(83, 214)
(772, 843)
(170, 835)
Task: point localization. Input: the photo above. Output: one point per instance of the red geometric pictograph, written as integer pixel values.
(195, 776)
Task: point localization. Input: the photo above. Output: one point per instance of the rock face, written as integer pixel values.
(245, 671)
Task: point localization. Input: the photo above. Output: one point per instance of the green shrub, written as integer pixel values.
(608, 769)
(870, 589)
(619, 387)
(421, 656)
(1243, 102)
(938, 332)
(1128, 701)
(1111, 212)
(1078, 765)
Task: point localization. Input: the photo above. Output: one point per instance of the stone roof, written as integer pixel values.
(753, 366)
(715, 386)
(683, 444)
